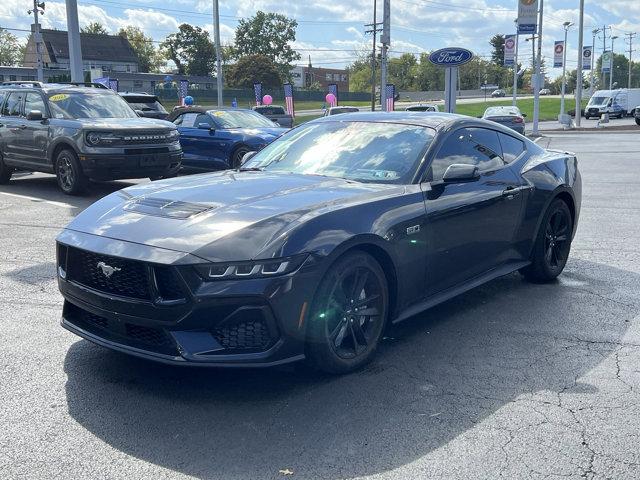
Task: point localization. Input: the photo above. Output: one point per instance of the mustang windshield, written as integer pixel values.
(240, 119)
(362, 151)
(89, 105)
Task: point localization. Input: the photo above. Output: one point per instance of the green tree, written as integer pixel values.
(497, 49)
(403, 71)
(254, 68)
(11, 52)
(95, 27)
(149, 58)
(620, 72)
(191, 50)
(360, 75)
(268, 34)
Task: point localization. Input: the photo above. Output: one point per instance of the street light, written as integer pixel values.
(593, 55)
(612, 63)
(566, 26)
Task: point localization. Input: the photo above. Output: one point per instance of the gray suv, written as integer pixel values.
(80, 132)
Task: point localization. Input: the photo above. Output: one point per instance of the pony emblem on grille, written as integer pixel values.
(107, 270)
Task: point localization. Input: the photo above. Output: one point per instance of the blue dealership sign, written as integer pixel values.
(450, 57)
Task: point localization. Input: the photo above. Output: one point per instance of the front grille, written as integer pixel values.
(244, 336)
(139, 336)
(114, 275)
(169, 287)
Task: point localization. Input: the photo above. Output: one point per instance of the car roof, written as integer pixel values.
(425, 119)
(134, 94)
(502, 107)
(201, 109)
(54, 87)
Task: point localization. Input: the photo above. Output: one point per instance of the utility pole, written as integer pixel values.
(374, 30)
(38, 9)
(386, 41)
(604, 49)
(515, 67)
(630, 40)
(566, 26)
(579, 78)
(612, 63)
(73, 34)
(216, 33)
(538, 69)
(593, 54)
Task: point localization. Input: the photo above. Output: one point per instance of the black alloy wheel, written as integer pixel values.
(71, 178)
(236, 158)
(553, 244)
(5, 171)
(349, 314)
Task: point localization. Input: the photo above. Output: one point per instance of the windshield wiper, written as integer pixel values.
(251, 169)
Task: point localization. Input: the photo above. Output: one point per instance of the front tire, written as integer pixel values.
(552, 245)
(5, 172)
(348, 314)
(71, 178)
(236, 158)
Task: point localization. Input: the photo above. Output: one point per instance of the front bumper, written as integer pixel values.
(249, 322)
(132, 163)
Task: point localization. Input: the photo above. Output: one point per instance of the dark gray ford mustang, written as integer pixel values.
(337, 229)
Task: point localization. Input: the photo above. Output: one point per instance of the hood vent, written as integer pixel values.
(166, 208)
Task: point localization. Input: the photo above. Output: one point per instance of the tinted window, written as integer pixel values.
(34, 101)
(204, 118)
(270, 110)
(362, 151)
(512, 148)
(187, 120)
(473, 146)
(13, 105)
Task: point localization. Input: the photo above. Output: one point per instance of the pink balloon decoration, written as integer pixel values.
(330, 98)
(267, 100)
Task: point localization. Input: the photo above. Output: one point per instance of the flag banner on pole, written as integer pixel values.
(113, 84)
(183, 90)
(587, 53)
(102, 81)
(558, 52)
(333, 88)
(606, 61)
(257, 90)
(288, 99)
(509, 50)
(527, 16)
(390, 93)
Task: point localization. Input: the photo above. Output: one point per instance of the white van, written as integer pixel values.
(617, 103)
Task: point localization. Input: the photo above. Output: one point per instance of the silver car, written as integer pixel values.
(510, 117)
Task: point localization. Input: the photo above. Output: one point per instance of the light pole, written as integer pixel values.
(515, 67)
(216, 32)
(612, 64)
(38, 8)
(566, 26)
(538, 76)
(579, 78)
(593, 54)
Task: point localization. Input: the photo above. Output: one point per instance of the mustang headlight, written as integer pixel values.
(252, 269)
(101, 138)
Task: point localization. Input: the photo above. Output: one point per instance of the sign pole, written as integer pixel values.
(515, 69)
(538, 69)
(450, 83)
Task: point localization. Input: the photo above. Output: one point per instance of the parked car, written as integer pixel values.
(327, 235)
(498, 93)
(146, 105)
(545, 91)
(338, 110)
(508, 116)
(636, 114)
(276, 114)
(217, 139)
(423, 107)
(80, 132)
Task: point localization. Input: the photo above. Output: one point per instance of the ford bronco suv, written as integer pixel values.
(80, 132)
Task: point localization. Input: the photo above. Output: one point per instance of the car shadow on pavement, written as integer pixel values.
(435, 378)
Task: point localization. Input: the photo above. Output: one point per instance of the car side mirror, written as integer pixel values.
(206, 126)
(247, 156)
(461, 172)
(35, 115)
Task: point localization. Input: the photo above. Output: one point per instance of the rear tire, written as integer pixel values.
(348, 314)
(552, 245)
(5, 172)
(236, 158)
(71, 178)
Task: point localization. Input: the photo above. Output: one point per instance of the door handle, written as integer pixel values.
(511, 192)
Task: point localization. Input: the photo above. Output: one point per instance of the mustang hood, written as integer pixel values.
(222, 216)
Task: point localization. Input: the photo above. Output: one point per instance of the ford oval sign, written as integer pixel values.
(450, 57)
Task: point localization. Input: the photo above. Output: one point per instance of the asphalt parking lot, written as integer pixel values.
(510, 380)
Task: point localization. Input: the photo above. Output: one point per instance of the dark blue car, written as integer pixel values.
(217, 139)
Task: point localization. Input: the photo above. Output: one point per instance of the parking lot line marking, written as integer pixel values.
(39, 200)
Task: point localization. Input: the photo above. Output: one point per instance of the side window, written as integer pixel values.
(178, 120)
(204, 118)
(3, 95)
(13, 106)
(187, 120)
(35, 102)
(512, 148)
(473, 146)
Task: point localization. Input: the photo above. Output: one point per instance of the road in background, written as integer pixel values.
(511, 379)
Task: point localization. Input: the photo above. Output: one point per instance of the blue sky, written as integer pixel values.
(332, 31)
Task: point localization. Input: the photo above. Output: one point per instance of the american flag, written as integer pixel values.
(390, 93)
(113, 84)
(182, 92)
(257, 89)
(288, 98)
(333, 88)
